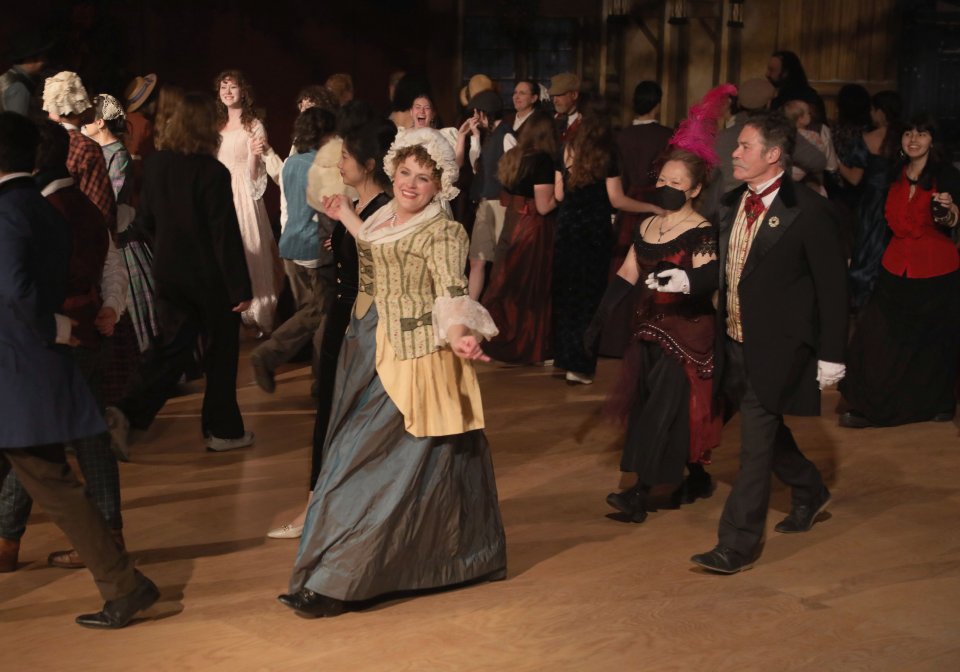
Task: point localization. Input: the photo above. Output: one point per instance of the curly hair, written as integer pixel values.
(248, 114)
(423, 158)
(193, 128)
(168, 100)
(537, 134)
(592, 146)
(312, 128)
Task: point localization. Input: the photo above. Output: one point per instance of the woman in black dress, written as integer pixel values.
(589, 189)
(361, 167)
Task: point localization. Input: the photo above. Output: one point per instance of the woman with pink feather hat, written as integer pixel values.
(665, 391)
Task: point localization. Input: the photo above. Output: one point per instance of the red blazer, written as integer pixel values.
(918, 248)
(88, 253)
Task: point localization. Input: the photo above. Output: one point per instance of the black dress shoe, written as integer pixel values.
(119, 612)
(694, 487)
(803, 516)
(631, 502)
(855, 420)
(722, 560)
(312, 605)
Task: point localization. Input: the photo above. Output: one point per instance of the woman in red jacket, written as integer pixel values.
(903, 357)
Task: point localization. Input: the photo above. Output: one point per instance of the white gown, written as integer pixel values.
(263, 258)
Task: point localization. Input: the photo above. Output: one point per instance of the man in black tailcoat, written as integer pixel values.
(782, 325)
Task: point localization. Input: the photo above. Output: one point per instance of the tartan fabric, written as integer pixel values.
(87, 166)
(94, 456)
(141, 301)
(121, 361)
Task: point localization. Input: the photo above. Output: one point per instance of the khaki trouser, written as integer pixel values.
(47, 477)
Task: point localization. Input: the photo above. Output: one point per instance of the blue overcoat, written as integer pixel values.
(43, 398)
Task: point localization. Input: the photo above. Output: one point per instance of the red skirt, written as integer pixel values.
(518, 296)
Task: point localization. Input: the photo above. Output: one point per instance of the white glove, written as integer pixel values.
(677, 281)
(830, 373)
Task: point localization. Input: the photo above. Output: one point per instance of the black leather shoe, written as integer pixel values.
(722, 560)
(694, 487)
(312, 605)
(855, 420)
(803, 516)
(119, 612)
(631, 502)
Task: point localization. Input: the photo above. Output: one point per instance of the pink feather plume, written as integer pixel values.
(697, 132)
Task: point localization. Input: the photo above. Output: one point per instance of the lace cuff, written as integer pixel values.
(259, 185)
(448, 312)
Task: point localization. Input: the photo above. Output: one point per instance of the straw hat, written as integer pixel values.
(476, 84)
(139, 90)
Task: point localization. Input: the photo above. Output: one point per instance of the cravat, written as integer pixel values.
(753, 208)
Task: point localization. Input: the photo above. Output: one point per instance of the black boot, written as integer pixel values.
(631, 502)
(696, 485)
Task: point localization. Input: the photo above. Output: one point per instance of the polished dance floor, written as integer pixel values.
(874, 587)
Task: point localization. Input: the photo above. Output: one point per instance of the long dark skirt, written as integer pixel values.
(902, 360)
(584, 242)
(518, 297)
(336, 326)
(657, 443)
(392, 512)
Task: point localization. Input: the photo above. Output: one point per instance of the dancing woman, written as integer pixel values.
(519, 294)
(903, 355)
(406, 497)
(361, 167)
(665, 392)
(242, 143)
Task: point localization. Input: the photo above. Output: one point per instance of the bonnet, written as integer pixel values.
(439, 149)
(63, 94)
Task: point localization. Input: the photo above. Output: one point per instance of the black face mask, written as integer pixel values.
(671, 199)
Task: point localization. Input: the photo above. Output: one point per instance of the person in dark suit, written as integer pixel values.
(202, 282)
(44, 401)
(782, 326)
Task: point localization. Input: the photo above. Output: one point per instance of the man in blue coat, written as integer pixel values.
(44, 401)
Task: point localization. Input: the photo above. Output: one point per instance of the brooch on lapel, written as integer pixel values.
(774, 222)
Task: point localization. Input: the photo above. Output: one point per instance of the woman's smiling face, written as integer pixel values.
(413, 186)
(916, 143)
(422, 112)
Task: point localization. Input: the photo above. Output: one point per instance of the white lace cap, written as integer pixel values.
(439, 149)
(108, 107)
(63, 94)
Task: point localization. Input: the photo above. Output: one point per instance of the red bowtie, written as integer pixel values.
(753, 208)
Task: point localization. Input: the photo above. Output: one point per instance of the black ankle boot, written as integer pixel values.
(631, 502)
(697, 485)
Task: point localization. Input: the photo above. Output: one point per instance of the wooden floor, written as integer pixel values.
(875, 587)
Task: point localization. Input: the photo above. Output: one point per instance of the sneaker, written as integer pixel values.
(221, 445)
(287, 531)
(574, 378)
(119, 427)
(262, 374)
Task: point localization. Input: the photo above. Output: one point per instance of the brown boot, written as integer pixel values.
(70, 559)
(9, 552)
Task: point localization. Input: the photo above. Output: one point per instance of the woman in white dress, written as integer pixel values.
(242, 143)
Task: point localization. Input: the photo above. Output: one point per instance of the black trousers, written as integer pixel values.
(46, 476)
(180, 326)
(338, 320)
(766, 446)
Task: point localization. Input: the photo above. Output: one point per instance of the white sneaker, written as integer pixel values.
(287, 531)
(119, 427)
(574, 378)
(220, 445)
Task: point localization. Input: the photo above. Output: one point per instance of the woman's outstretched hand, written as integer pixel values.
(468, 347)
